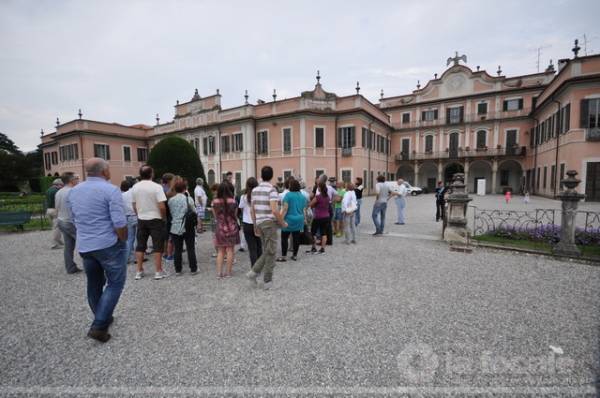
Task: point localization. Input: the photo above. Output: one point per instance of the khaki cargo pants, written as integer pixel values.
(268, 237)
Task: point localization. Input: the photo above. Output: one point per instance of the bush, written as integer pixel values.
(176, 155)
(548, 233)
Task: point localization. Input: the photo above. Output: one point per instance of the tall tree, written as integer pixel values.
(7, 145)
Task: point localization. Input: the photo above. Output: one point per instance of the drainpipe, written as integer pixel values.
(336, 146)
(220, 154)
(369, 182)
(255, 152)
(535, 152)
(82, 158)
(557, 129)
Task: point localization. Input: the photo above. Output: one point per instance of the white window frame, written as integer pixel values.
(100, 143)
(266, 131)
(350, 169)
(514, 99)
(130, 153)
(283, 152)
(315, 127)
(233, 146)
(402, 117)
(517, 129)
(487, 109)
(487, 137)
(147, 152)
(432, 134)
(340, 146)
(324, 171)
(283, 171)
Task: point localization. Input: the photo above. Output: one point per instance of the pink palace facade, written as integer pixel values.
(518, 132)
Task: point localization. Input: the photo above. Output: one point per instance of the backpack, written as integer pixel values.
(190, 219)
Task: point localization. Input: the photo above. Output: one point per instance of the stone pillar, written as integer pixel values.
(570, 201)
(416, 174)
(494, 172)
(456, 231)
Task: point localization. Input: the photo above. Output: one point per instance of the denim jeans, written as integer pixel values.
(106, 270)
(132, 222)
(379, 216)
(400, 205)
(357, 212)
(350, 227)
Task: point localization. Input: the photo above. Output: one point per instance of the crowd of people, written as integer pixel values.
(112, 227)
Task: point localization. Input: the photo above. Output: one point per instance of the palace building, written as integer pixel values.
(518, 132)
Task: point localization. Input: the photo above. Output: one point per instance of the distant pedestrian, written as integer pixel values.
(181, 206)
(349, 209)
(321, 203)
(267, 219)
(65, 222)
(252, 241)
(400, 198)
(292, 211)
(98, 213)
(168, 181)
(201, 200)
(51, 213)
(132, 219)
(227, 233)
(507, 196)
(526, 199)
(380, 206)
(338, 218)
(149, 203)
(440, 201)
(358, 191)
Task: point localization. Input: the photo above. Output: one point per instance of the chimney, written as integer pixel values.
(562, 63)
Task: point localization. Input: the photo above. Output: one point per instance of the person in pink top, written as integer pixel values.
(507, 196)
(321, 216)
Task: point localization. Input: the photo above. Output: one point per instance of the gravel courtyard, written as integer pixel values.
(396, 315)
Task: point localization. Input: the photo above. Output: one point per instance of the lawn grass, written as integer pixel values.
(587, 251)
(35, 224)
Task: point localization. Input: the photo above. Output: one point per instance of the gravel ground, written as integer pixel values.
(395, 315)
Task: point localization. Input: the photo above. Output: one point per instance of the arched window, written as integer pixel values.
(211, 177)
(428, 143)
(481, 139)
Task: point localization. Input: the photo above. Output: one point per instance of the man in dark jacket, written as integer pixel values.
(440, 201)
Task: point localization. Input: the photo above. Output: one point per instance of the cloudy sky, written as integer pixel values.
(125, 61)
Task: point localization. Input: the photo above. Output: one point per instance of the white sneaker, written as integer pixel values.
(160, 275)
(268, 285)
(251, 275)
(139, 275)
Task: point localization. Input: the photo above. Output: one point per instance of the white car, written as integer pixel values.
(414, 191)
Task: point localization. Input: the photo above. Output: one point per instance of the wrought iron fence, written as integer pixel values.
(535, 224)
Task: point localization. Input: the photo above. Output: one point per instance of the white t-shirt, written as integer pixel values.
(200, 196)
(401, 190)
(128, 201)
(245, 206)
(146, 196)
(302, 191)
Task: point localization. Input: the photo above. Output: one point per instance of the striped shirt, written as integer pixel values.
(262, 196)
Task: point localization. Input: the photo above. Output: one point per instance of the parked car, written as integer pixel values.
(413, 191)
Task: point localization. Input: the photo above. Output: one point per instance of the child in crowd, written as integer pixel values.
(349, 209)
(507, 196)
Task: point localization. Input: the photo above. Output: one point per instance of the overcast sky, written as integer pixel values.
(125, 61)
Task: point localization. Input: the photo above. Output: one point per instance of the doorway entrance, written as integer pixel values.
(592, 182)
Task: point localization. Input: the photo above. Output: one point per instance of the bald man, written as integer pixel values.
(99, 215)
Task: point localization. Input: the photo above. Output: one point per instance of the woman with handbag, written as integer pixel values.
(349, 209)
(292, 211)
(183, 215)
(321, 216)
(227, 232)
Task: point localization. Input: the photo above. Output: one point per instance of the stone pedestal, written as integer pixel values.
(456, 231)
(570, 201)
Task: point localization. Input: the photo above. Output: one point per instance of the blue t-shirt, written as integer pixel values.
(295, 213)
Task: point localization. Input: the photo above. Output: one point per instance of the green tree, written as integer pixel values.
(176, 155)
(7, 145)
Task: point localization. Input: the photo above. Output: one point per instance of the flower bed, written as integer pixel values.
(548, 233)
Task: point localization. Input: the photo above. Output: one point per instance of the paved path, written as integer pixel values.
(384, 317)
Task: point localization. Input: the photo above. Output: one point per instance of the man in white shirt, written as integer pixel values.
(149, 203)
(132, 220)
(65, 222)
(380, 205)
(200, 199)
(400, 196)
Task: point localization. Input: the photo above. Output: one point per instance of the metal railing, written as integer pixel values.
(463, 153)
(469, 118)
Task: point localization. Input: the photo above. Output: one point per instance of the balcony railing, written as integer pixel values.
(592, 134)
(346, 152)
(464, 153)
(470, 118)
